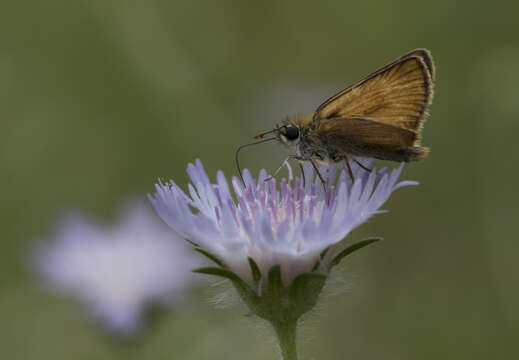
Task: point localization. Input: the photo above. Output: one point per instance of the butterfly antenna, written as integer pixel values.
(236, 154)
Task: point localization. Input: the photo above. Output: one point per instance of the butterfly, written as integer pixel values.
(380, 116)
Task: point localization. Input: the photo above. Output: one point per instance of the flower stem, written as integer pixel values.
(286, 332)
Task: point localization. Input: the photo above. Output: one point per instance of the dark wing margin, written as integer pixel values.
(426, 57)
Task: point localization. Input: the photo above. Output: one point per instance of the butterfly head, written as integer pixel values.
(286, 132)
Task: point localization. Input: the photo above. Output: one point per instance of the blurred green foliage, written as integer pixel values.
(100, 98)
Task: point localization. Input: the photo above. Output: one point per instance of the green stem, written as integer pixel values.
(286, 332)
(126, 349)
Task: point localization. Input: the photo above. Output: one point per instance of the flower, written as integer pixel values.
(117, 271)
(290, 225)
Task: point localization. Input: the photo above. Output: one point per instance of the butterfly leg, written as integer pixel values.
(318, 173)
(362, 166)
(278, 170)
(302, 174)
(347, 163)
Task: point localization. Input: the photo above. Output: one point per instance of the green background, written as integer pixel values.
(100, 98)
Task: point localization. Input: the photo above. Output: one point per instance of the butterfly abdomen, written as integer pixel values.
(398, 154)
(404, 153)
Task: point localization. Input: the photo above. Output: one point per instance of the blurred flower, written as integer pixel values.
(119, 271)
(290, 226)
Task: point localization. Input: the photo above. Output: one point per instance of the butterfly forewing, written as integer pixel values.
(397, 94)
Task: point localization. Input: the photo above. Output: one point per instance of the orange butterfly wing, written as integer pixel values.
(397, 94)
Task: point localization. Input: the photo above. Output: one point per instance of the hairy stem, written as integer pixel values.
(286, 332)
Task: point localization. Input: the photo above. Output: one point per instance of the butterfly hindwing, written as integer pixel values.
(365, 137)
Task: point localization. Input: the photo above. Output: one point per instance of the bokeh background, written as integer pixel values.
(100, 98)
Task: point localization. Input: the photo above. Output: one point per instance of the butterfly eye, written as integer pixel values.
(291, 132)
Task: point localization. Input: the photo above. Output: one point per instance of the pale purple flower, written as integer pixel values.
(118, 271)
(288, 225)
